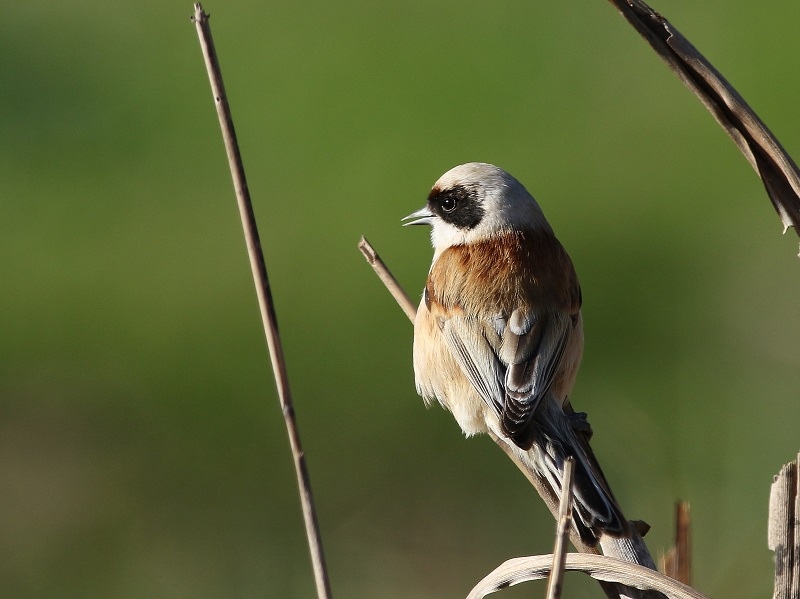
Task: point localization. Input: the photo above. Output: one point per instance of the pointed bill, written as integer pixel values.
(423, 216)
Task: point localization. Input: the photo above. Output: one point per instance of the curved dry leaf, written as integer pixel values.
(599, 567)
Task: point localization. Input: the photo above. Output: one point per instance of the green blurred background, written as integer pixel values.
(142, 450)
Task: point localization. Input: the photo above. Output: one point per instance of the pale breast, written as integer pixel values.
(439, 377)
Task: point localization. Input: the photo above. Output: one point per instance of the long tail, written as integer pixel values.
(595, 510)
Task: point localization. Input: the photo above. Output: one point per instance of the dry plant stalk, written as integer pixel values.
(783, 533)
(400, 296)
(677, 563)
(265, 303)
(763, 151)
(555, 581)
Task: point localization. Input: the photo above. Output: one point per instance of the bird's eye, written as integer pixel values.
(448, 204)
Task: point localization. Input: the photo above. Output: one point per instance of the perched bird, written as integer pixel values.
(498, 336)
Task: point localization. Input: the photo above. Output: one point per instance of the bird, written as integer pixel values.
(498, 335)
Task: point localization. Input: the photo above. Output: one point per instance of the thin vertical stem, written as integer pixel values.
(556, 580)
(264, 294)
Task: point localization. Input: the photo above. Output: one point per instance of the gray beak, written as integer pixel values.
(423, 216)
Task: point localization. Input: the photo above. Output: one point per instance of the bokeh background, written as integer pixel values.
(142, 450)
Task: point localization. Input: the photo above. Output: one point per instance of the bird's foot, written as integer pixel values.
(580, 423)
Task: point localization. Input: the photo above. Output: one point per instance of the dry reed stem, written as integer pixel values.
(677, 563)
(763, 151)
(400, 296)
(555, 581)
(783, 533)
(265, 303)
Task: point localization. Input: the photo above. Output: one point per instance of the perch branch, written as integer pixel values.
(388, 279)
(265, 303)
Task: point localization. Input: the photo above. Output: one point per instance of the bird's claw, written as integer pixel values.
(580, 423)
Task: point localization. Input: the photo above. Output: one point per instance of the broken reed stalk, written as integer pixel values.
(265, 303)
(677, 563)
(778, 172)
(783, 536)
(555, 581)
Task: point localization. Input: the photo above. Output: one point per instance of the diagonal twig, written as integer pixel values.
(400, 296)
(265, 303)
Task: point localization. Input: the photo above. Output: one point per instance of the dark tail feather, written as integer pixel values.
(595, 510)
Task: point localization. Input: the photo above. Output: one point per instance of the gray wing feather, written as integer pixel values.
(533, 348)
(510, 362)
(477, 358)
